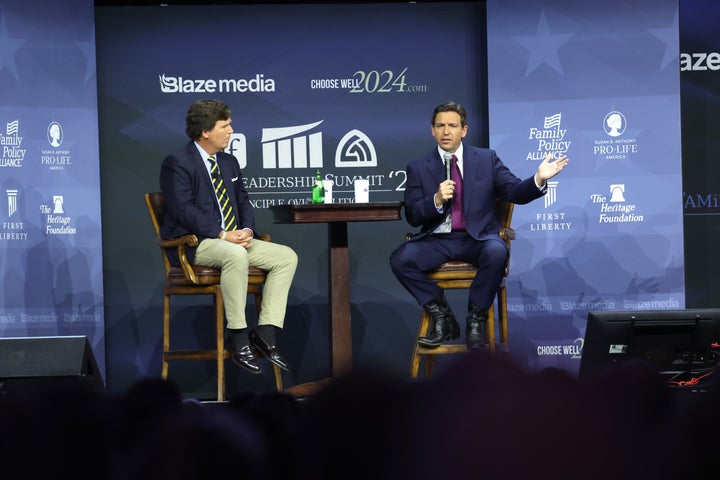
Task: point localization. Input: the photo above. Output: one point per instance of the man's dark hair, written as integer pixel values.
(202, 116)
(450, 107)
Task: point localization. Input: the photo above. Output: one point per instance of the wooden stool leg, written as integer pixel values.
(503, 316)
(422, 331)
(429, 365)
(220, 344)
(278, 378)
(490, 328)
(166, 335)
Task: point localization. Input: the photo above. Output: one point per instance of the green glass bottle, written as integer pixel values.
(318, 190)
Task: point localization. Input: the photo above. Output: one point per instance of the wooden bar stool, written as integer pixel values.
(188, 279)
(459, 275)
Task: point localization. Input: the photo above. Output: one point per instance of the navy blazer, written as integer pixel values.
(485, 178)
(192, 206)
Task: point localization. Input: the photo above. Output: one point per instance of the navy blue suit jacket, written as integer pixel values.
(192, 206)
(485, 178)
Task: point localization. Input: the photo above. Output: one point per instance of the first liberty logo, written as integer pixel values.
(11, 142)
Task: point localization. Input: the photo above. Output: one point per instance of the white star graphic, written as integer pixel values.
(543, 46)
(670, 37)
(8, 49)
(88, 50)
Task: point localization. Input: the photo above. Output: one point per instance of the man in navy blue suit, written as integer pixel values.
(205, 196)
(469, 232)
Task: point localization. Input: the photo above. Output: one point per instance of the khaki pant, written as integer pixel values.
(233, 260)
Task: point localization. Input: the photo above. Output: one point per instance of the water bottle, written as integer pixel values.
(318, 190)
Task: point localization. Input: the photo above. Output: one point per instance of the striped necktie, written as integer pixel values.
(222, 195)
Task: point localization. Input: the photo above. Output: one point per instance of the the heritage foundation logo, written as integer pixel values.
(616, 209)
(56, 222)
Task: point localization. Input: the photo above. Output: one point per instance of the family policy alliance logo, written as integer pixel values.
(615, 145)
(551, 139)
(11, 141)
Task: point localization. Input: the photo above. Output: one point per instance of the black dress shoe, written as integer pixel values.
(475, 336)
(242, 355)
(267, 350)
(443, 326)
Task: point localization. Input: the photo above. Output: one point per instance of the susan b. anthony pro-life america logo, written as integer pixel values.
(616, 145)
(55, 157)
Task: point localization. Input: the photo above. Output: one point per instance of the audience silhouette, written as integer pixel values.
(480, 416)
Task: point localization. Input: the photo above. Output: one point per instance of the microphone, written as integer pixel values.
(448, 161)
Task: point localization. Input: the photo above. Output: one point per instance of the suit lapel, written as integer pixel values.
(436, 168)
(471, 164)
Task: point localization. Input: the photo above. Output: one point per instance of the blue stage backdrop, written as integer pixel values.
(600, 83)
(50, 228)
(700, 87)
(347, 89)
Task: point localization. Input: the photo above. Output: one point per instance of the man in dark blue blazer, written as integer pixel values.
(470, 233)
(205, 196)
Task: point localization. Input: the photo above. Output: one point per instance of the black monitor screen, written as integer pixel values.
(682, 344)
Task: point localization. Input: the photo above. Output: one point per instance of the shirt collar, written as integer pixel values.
(458, 154)
(202, 151)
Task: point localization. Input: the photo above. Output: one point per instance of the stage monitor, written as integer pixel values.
(682, 344)
(35, 362)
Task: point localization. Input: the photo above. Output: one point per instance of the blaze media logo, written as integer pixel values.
(256, 84)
